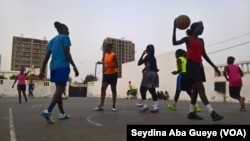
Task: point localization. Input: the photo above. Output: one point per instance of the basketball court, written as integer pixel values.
(22, 122)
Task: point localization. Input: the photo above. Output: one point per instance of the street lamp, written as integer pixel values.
(95, 69)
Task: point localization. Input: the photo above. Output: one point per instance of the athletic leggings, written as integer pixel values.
(152, 91)
(177, 94)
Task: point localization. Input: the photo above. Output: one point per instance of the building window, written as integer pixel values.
(46, 83)
(1, 82)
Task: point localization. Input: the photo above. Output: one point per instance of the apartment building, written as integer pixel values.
(27, 52)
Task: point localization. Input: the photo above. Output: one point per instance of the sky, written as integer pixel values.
(226, 26)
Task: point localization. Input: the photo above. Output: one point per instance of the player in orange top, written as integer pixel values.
(110, 75)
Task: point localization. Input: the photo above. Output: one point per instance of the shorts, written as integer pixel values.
(195, 72)
(59, 75)
(150, 79)
(21, 87)
(183, 83)
(31, 90)
(110, 78)
(234, 92)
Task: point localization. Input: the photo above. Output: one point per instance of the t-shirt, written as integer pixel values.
(195, 50)
(129, 87)
(109, 62)
(56, 47)
(31, 86)
(150, 63)
(234, 76)
(21, 79)
(183, 64)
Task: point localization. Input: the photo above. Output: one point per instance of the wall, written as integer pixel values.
(42, 88)
(132, 72)
(167, 63)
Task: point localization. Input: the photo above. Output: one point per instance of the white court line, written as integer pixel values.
(12, 127)
(164, 111)
(36, 106)
(98, 124)
(92, 122)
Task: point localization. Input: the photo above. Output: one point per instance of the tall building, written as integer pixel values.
(124, 49)
(27, 52)
(0, 61)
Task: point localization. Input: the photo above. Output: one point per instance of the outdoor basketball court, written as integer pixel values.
(22, 122)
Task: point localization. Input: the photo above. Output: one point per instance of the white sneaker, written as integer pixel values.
(113, 108)
(99, 108)
(63, 116)
(47, 115)
(139, 104)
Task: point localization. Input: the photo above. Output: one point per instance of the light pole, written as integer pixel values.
(95, 69)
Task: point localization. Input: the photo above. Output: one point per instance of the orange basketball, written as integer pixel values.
(182, 22)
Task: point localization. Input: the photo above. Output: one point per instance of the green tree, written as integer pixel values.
(70, 79)
(89, 78)
(2, 77)
(12, 77)
(32, 77)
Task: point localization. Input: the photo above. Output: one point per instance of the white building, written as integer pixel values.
(0, 61)
(167, 63)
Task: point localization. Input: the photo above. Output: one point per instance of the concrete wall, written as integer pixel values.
(167, 63)
(132, 72)
(42, 88)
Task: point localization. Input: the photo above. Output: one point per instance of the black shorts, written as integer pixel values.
(195, 72)
(110, 78)
(21, 87)
(235, 92)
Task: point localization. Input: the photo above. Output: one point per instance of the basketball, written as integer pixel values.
(182, 22)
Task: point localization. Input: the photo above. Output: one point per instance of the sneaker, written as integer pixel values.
(197, 109)
(99, 108)
(143, 109)
(194, 116)
(63, 116)
(139, 104)
(243, 110)
(113, 108)
(172, 107)
(154, 111)
(47, 115)
(216, 116)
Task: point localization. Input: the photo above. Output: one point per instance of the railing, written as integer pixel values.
(244, 65)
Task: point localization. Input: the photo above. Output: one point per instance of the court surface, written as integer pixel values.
(22, 122)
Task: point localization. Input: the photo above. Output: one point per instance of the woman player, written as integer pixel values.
(195, 71)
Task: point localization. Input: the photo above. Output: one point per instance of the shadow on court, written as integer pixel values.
(23, 122)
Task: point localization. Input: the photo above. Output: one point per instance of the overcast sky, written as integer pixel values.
(226, 22)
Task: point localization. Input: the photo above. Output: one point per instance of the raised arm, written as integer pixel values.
(140, 62)
(181, 41)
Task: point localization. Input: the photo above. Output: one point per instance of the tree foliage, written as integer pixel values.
(89, 78)
(2, 77)
(12, 77)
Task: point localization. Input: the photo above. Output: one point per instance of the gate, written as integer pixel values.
(77, 91)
